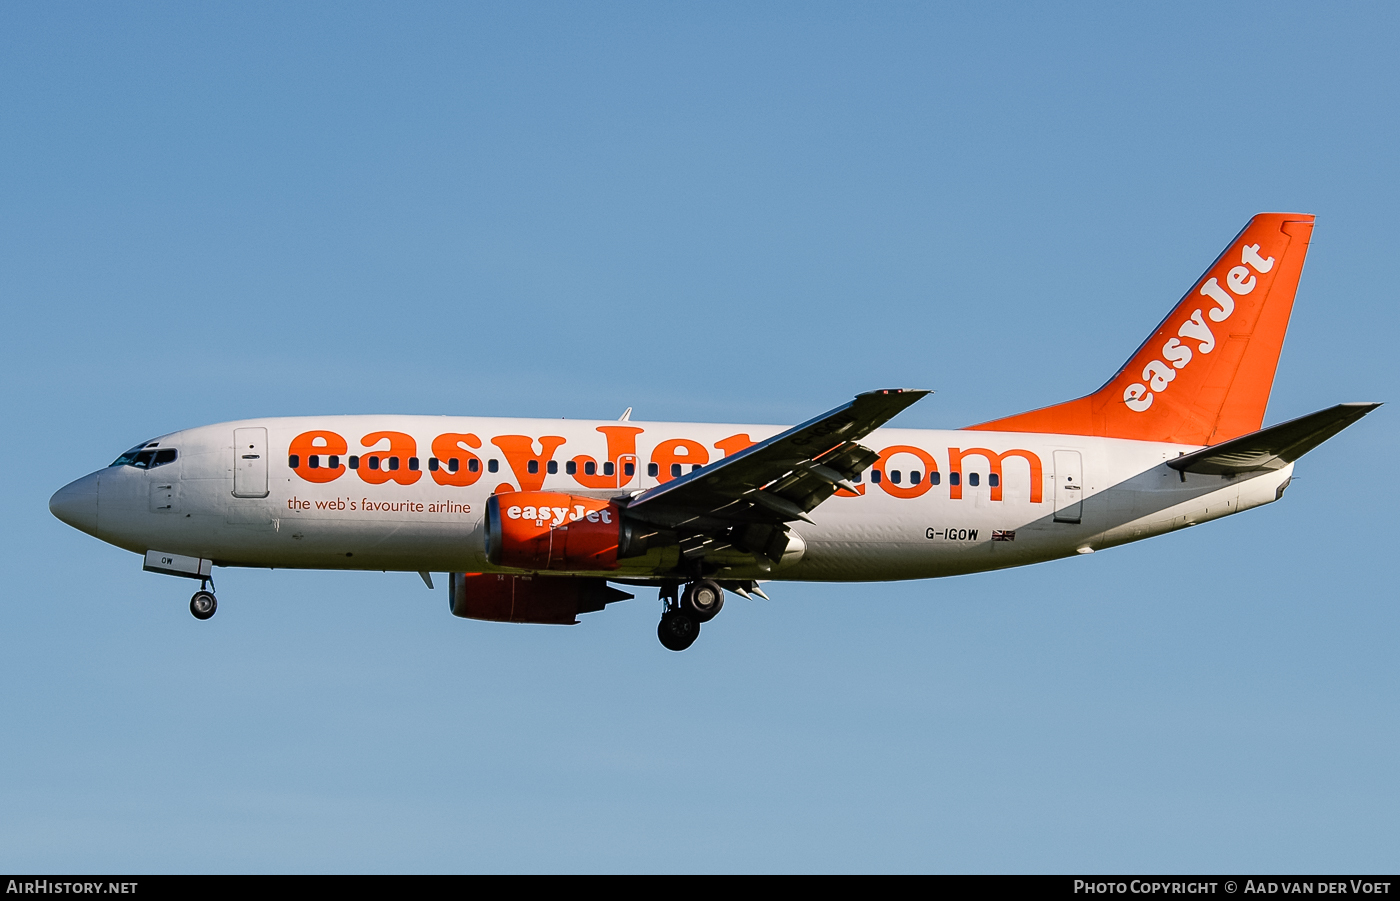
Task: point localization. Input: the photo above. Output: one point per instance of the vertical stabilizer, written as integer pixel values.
(1205, 374)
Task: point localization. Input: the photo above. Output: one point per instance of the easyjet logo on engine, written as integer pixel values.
(551, 530)
(1175, 355)
(542, 515)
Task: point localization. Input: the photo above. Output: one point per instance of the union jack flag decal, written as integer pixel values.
(999, 535)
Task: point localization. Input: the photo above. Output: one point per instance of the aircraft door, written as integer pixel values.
(1069, 486)
(250, 462)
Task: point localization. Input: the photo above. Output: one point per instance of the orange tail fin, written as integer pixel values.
(1204, 375)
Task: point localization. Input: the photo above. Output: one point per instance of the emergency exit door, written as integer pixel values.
(1069, 486)
(250, 462)
(628, 470)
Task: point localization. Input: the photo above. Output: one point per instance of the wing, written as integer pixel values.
(747, 497)
(1274, 447)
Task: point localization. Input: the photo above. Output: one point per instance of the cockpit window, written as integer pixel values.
(129, 457)
(148, 455)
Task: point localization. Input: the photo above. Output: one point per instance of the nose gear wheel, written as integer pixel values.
(203, 605)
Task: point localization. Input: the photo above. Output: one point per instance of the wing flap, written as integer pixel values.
(778, 480)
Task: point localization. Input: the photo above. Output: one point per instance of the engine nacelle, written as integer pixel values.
(548, 530)
(528, 599)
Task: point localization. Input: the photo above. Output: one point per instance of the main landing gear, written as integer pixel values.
(203, 605)
(680, 623)
(677, 630)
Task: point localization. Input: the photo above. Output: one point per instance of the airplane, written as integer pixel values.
(539, 521)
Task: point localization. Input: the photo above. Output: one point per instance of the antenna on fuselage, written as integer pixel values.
(626, 415)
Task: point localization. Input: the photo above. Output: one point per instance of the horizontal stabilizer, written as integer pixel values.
(1274, 447)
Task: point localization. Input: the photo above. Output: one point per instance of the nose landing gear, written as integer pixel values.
(680, 623)
(203, 605)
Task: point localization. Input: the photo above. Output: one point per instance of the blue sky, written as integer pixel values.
(724, 213)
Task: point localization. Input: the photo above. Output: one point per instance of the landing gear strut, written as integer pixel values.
(680, 623)
(203, 604)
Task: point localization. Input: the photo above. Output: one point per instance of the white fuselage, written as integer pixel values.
(1055, 495)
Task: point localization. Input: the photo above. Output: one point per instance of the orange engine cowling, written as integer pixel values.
(528, 599)
(548, 530)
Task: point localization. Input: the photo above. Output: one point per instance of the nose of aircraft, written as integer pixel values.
(76, 503)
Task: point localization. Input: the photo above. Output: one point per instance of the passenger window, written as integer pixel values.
(532, 467)
(694, 467)
(895, 476)
(413, 464)
(354, 462)
(492, 465)
(608, 468)
(473, 465)
(629, 469)
(454, 464)
(552, 467)
(295, 462)
(570, 468)
(994, 480)
(915, 477)
(972, 479)
(675, 470)
(954, 478)
(874, 476)
(393, 464)
(856, 478)
(314, 461)
(373, 462)
(590, 468)
(432, 464)
(934, 478)
(653, 469)
(333, 464)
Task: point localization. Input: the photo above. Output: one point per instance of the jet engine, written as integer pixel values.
(548, 530)
(528, 599)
